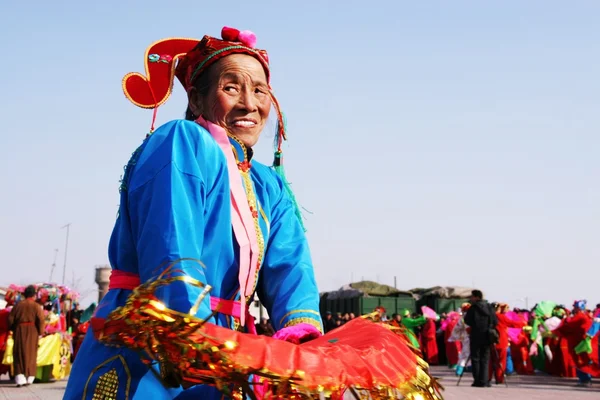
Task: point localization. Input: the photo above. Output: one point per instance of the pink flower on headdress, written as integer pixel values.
(247, 38)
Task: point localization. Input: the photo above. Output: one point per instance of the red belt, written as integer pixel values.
(25, 323)
(123, 280)
(129, 281)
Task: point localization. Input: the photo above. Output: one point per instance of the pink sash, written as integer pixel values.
(242, 220)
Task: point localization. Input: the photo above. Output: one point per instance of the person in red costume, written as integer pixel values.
(4, 329)
(79, 334)
(498, 364)
(562, 364)
(519, 350)
(429, 344)
(574, 330)
(567, 366)
(452, 348)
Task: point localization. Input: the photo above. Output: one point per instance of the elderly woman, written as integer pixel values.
(192, 194)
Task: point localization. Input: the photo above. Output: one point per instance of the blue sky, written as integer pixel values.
(445, 143)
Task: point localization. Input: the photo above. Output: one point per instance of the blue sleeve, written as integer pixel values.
(595, 328)
(167, 207)
(287, 285)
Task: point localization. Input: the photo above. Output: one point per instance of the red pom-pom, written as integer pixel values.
(230, 34)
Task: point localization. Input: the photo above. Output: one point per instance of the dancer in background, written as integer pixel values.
(498, 364)
(411, 324)
(460, 339)
(574, 330)
(26, 320)
(453, 347)
(428, 339)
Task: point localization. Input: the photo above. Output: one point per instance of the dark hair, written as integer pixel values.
(477, 293)
(30, 292)
(202, 84)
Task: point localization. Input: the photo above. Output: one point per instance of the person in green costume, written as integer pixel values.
(411, 324)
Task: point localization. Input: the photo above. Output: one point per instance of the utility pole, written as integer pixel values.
(395, 285)
(53, 265)
(66, 250)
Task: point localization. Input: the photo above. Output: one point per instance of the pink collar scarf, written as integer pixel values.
(242, 220)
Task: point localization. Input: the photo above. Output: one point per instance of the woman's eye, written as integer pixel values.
(230, 88)
(259, 91)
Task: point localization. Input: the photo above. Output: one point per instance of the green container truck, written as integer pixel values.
(365, 305)
(442, 305)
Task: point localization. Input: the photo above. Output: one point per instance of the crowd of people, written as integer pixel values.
(493, 341)
(330, 322)
(497, 341)
(32, 313)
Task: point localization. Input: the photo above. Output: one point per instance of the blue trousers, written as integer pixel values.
(510, 367)
(583, 377)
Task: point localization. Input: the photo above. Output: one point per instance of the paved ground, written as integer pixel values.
(519, 387)
(45, 391)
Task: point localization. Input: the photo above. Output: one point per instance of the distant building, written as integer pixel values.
(102, 280)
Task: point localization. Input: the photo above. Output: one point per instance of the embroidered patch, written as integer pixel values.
(107, 386)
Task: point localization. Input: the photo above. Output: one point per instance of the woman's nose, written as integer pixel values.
(248, 101)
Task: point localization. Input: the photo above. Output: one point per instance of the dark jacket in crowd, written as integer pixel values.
(481, 317)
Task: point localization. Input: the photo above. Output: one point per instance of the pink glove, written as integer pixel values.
(298, 333)
(294, 334)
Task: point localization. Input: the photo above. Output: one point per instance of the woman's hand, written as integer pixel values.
(298, 334)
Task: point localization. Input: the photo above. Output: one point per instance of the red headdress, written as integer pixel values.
(188, 59)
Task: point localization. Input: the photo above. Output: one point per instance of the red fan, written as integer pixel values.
(362, 354)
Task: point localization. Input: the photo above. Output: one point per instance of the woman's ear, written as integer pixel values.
(195, 102)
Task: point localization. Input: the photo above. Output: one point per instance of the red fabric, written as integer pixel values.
(209, 50)
(182, 57)
(429, 343)
(153, 90)
(4, 328)
(567, 366)
(129, 281)
(359, 353)
(504, 323)
(553, 367)
(227, 307)
(452, 348)
(574, 330)
(78, 337)
(123, 280)
(519, 351)
(4, 331)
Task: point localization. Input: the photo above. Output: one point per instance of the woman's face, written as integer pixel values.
(237, 99)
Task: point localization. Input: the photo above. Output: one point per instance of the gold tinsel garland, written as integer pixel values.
(191, 351)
